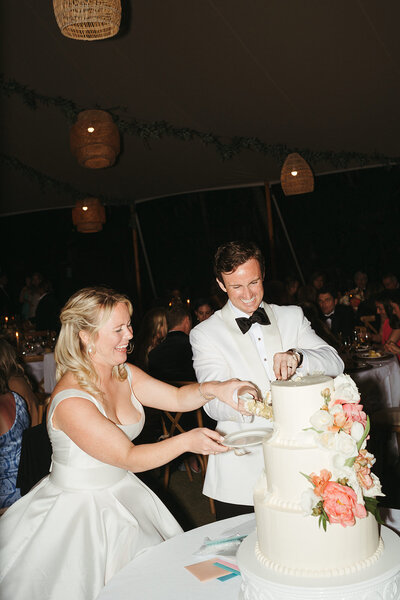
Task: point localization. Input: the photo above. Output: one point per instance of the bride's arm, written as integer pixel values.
(99, 437)
(157, 394)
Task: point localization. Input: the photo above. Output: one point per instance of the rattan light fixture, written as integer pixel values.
(94, 139)
(89, 215)
(296, 176)
(88, 19)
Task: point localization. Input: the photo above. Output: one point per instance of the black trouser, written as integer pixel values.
(223, 510)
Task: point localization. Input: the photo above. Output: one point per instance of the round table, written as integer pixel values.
(160, 573)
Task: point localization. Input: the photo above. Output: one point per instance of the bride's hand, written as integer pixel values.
(204, 441)
(231, 393)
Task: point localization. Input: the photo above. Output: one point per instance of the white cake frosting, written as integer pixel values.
(290, 540)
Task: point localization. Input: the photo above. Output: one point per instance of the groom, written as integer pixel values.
(250, 340)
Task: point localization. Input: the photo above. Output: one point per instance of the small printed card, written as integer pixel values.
(213, 569)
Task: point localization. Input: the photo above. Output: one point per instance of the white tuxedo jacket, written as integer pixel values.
(221, 352)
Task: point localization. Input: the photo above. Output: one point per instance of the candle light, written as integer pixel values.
(17, 338)
(188, 302)
(6, 321)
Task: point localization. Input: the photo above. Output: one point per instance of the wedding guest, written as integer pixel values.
(172, 359)
(390, 281)
(6, 303)
(17, 380)
(91, 515)
(26, 299)
(202, 309)
(152, 331)
(36, 281)
(292, 285)
(252, 339)
(14, 419)
(47, 310)
(392, 344)
(338, 317)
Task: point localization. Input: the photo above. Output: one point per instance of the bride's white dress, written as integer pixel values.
(80, 524)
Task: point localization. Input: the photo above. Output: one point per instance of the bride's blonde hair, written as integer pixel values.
(87, 310)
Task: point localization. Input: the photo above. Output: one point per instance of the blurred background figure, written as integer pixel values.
(390, 281)
(26, 299)
(312, 313)
(338, 317)
(47, 309)
(14, 419)
(152, 331)
(36, 281)
(392, 344)
(172, 359)
(6, 303)
(202, 309)
(16, 378)
(292, 285)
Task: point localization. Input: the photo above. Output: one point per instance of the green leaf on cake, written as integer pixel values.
(371, 505)
(366, 432)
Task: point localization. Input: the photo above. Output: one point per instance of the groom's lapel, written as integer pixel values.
(246, 349)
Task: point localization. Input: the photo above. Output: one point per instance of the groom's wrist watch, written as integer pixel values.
(298, 355)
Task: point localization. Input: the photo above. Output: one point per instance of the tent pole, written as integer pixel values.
(288, 239)
(146, 258)
(270, 225)
(136, 256)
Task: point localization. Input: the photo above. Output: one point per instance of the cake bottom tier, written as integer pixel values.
(381, 581)
(289, 542)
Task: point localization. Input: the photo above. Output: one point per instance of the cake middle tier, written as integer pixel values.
(284, 467)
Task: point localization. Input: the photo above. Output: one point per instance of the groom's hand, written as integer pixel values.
(285, 364)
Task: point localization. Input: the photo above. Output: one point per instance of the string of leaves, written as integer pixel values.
(226, 148)
(49, 183)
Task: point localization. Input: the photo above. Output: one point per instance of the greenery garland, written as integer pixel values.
(46, 182)
(159, 129)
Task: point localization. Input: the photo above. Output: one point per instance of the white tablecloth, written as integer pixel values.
(44, 371)
(159, 573)
(380, 386)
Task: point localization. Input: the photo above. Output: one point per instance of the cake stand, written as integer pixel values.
(381, 581)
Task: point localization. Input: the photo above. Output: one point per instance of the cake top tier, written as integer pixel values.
(295, 400)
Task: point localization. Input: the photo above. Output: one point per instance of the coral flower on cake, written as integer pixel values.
(320, 481)
(340, 504)
(355, 413)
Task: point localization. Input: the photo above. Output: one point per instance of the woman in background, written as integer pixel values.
(14, 419)
(16, 379)
(152, 331)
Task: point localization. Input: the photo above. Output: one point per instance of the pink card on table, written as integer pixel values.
(206, 570)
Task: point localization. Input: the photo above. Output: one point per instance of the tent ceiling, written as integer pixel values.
(305, 73)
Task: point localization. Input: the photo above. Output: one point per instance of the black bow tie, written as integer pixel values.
(258, 316)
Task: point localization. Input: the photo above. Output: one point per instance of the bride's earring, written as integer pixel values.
(90, 349)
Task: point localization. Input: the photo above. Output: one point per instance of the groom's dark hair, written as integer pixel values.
(231, 255)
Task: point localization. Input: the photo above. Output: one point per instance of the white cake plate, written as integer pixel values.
(381, 581)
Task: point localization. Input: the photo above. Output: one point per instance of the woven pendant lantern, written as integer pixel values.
(296, 176)
(88, 215)
(94, 139)
(88, 19)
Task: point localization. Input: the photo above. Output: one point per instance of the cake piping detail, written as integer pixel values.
(331, 572)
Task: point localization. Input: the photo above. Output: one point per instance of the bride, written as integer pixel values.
(91, 515)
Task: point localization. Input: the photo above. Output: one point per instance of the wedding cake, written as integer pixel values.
(313, 503)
